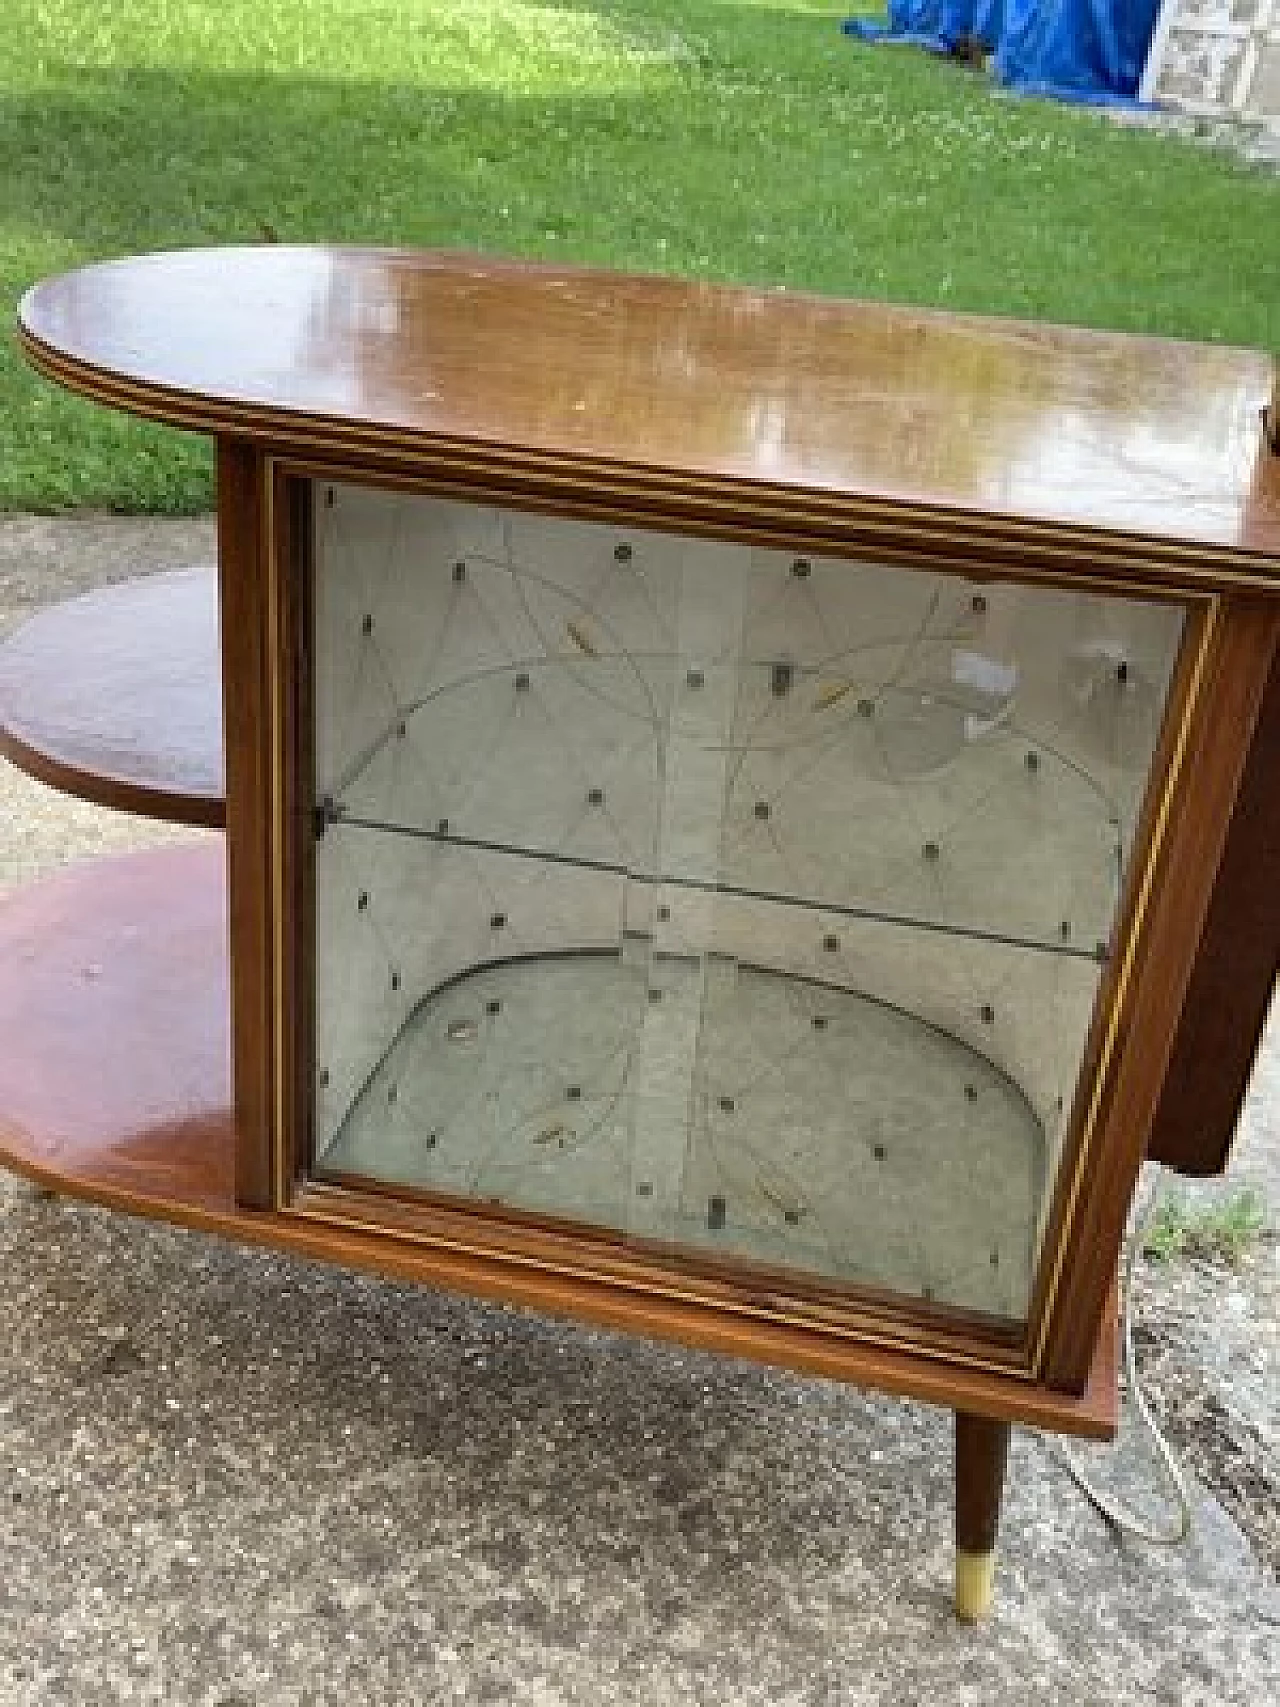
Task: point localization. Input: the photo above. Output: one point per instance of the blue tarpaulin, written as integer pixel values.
(1074, 50)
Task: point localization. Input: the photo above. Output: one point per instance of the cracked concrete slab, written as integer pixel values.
(230, 1477)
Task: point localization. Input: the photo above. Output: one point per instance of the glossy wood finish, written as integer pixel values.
(1151, 981)
(982, 1450)
(1234, 976)
(1005, 446)
(981, 1453)
(115, 1087)
(248, 640)
(114, 697)
(113, 1011)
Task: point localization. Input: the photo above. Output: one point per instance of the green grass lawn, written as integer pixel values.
(729, 139)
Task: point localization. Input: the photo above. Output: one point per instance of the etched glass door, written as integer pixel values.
(743, 905)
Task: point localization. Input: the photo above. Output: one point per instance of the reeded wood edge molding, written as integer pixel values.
(541, 1247)
(820, 518)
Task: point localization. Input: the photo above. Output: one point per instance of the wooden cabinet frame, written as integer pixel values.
(1214, 704)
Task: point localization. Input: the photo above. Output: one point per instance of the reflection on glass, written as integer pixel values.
(729, 900)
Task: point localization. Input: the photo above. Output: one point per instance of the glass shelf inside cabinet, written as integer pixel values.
(744, 905)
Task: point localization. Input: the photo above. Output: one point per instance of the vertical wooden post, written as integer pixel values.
(243, 591)
(982, 1450)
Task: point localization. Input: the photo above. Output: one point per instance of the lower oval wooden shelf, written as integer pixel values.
(115, 1088)
(117, 697)
(115, 1079)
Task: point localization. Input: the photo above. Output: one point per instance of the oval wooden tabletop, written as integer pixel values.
(117, 697)
(464, 362)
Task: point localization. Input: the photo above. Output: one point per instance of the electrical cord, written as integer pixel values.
(1121, 1518)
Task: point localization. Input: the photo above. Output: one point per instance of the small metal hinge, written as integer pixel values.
(326, 813)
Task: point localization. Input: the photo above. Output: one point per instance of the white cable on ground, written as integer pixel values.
(1119, 1516)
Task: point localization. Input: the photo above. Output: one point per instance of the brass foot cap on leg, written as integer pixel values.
(975, 1577)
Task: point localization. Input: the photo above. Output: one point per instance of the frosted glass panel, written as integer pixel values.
(728, 900)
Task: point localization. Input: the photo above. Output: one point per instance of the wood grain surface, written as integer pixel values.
(115, 697)
(981, 1456)
(1233, 980)
(657, 394)
(245, 587)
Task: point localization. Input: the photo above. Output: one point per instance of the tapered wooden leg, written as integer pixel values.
(982, 1449)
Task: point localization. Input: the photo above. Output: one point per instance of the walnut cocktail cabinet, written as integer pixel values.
(746, 816)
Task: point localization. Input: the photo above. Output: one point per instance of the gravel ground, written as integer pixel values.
(228, 1477)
